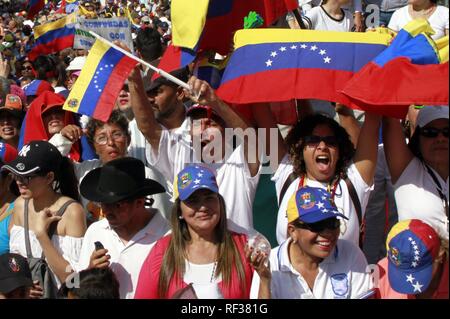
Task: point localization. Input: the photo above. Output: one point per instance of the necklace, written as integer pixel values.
(213, 273)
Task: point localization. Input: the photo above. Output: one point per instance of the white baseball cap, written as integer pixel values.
(431, 113)
(76, 64)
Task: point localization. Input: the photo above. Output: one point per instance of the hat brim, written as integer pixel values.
(89, 190)
(9, 284)
(318, 215)
(15, 113)
(185, 195)
(397, 278)
(11, 167)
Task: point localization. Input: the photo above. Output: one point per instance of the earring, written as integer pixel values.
(180, 217)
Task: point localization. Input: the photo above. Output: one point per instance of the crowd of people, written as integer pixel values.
(158, 201)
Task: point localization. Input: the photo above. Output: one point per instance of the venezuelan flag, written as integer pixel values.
(7, 153)
(272, 65)
(98, 86)
(33, 8)
(210, 24)
(413, 70)
(174, 58)
(53, 37)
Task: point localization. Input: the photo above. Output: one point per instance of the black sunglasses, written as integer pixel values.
(315, 140)
(329, 223)
(432, 132)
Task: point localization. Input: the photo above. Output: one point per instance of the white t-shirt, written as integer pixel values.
(342, 275)
(126, 260)
(318, 19)
(342, 199)
(438, 20)
(417, 197)
(236, 184)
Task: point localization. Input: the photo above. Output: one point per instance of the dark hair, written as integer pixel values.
(49, 67)
(95, 283)
(414, 144)
(148, 43)
(66, 179)
(117, 117)
(295, 143)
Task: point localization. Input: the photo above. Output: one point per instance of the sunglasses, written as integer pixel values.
(330, 141)
(432, 132)
(29, 68)
(329, 223)
(25, 180)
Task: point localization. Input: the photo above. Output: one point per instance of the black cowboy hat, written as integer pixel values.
(118, 180)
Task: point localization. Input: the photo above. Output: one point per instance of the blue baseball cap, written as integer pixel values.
(412, 247)
(311, 205)
(193, 178)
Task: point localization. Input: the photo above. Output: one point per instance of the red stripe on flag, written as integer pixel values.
(54, 46)
(286, 84)
(112, 88)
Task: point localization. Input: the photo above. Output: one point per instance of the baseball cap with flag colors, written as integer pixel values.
(311, 205)
(193, 178)
(412, 247)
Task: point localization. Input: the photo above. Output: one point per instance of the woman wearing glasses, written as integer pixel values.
(47, 207)
(318, 153)
(313, 263)
(419, 169)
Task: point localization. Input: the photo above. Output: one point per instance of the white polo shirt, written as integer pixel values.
(236, 184)
(126, 260)
(343, 275)
(342, 199)
(417, 197)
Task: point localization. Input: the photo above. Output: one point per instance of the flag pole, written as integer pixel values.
(157, 70)
(299, 19)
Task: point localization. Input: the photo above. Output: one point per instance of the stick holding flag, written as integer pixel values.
(157, 70)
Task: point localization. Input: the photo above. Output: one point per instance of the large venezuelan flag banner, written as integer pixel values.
(413, 70)
(53, 37)
(272, 65)
(98, 86)
(210, 24)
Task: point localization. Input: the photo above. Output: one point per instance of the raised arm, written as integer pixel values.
(365, 158)
(142, 109)
(207, 96)
(398, 155)
(348, 122)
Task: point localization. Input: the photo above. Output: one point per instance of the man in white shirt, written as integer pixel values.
(129, 230)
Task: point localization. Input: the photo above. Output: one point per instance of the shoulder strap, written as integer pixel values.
(292, 177)
(355, 199)
(60, 212)
(27, 229)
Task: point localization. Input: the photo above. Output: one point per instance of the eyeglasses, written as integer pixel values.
(28, 68)
(25, 180)
(117, 136)
(330, 141)
(329, 223)
(432, 132)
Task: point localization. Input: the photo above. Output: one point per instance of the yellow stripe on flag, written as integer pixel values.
(60, 23)
(417, 26)
(256, 36)
(96, 53)
(188, 20)
(397, 229)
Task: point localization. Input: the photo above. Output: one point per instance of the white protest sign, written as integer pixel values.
(111, 29)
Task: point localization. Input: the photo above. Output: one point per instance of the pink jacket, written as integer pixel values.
(147, 286)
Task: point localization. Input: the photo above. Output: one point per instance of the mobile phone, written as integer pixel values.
(98, 245)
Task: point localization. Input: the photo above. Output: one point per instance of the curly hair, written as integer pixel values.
(117, 117)
(295, 143)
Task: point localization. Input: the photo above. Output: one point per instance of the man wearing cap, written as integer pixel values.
(170, 151)
(313, 263)
(10, 120)
(419, 170)
(15, 277)
(129, 230)
(416, 265)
